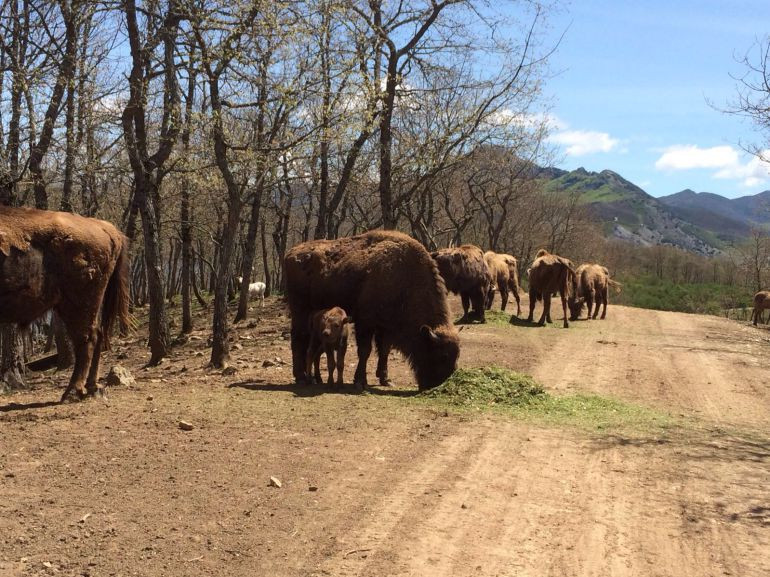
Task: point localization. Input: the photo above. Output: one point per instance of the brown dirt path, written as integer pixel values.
(373, 485)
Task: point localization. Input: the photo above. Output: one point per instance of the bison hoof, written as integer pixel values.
(386, 383)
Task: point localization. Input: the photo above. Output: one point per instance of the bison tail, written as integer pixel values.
(116, 297)
(615, 285)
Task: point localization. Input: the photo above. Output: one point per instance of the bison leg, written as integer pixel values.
(300, 341)
(331, 363)
(84, 349)
(466, 303)
(546, 316)
(564, 308)
(590, 305)
(532, 300)
(364, 344)
(383, 350)
(93, 372)
(490, 297)
(477, 298)
(605, 295)
(504, 299)
(342, 348)
(518, 301)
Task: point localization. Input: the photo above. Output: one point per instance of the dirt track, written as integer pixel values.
(374, 485)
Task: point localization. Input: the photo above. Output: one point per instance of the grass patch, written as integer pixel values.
(499, 389)
(649, 292)
(493, 317)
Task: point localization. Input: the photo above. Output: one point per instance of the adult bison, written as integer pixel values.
(75, 265)
(761, 302)
(390, 286)
(549, 274)
(591, 285)
(465, 272)
(505, 277)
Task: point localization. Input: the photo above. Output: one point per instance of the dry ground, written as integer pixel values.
(378, 485)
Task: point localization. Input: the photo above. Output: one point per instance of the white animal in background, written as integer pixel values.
(256, 290)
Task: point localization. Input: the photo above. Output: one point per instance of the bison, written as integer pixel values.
(465, 272)
(391, 288)
(329, 332)
(76, 266)
(505, 278)
(548, 275)
(761, 302)
(591, 285)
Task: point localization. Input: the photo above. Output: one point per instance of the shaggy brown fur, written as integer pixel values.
(75, 265)
(549, 274)
(465, 272)
(329, 332)
(591, 285)
(390, 286)
(761, 302)
(505, 277)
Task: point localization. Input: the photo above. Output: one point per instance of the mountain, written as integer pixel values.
(628, 212)
(730, 219)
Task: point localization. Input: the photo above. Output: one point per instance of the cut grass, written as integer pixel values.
(499, 389)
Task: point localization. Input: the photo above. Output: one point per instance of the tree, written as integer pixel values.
(161, 30)
(753, 95)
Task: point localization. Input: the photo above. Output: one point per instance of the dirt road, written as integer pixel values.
(375, 485)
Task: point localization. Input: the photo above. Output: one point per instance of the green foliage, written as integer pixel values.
(497, 388)
(649, 292)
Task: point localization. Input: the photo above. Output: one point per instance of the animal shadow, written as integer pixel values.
(315, 390)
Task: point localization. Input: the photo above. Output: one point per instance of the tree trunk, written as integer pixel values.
(12, 364)
(249, 252)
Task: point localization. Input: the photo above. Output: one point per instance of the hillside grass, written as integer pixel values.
(502, 390)
(649, 292)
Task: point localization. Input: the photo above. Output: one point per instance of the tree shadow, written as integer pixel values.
(523, 322)
(27, 406)
(469, 320)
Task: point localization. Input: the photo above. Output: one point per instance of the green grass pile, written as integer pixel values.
(480, 387)
(500, 389)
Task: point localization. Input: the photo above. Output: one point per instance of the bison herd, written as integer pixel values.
(385, 283)
(394, 291)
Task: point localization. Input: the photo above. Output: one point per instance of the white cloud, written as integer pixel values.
(752, 174)
(582, 142)
(726, 160)
(691, 156)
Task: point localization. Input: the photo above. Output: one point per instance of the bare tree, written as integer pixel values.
(161, 30)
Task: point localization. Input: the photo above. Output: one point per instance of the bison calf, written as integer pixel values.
(329, 331)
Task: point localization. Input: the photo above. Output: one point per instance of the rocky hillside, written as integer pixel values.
(629, 213)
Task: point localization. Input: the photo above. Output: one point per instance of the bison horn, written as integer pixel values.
(427, 332)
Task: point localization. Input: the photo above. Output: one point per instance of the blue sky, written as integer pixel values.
(632, 86)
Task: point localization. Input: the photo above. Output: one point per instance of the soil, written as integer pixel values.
(378, 485)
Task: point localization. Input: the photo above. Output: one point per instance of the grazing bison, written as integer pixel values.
(549, 274)
(329, 332)
(390, 286)
(465, 272)
(75, 265)
(591, 285)
(761, 302)
(505, 277)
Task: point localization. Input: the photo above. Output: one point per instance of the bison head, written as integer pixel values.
(575, 307)
(435, 357)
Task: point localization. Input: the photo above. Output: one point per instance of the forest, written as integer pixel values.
(216, 135)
